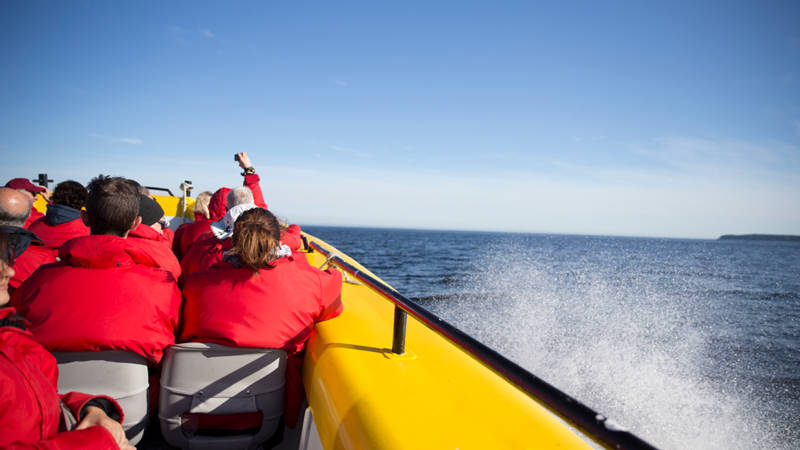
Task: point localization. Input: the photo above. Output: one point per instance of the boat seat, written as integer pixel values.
(203, 384)
(117, 374)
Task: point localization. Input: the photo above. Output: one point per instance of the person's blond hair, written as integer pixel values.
(201, 204)
(256, 239)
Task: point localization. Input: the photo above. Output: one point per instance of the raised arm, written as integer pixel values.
(251, 179)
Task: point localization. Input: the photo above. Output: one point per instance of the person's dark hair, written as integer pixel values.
(256, 238)
(69, 193)
(112, 205)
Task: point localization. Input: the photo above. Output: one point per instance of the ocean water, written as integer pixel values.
(687, 343)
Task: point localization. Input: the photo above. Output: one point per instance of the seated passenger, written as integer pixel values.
(29, 190)
(149, 235)
(62, 221)
(261, 296)
(31, 253)
(217, 208)
(31, 410)
(201, 215)
(208, 250)
(107, 293)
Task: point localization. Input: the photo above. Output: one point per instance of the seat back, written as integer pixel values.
(212, 380)
(117, 374)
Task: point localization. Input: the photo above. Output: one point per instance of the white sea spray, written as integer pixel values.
(630, 344)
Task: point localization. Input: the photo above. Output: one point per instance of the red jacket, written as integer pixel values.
(55, 235)
(251, 181)
(208, 250)
(32, 258)
(35, 215)
(158, 246)
(275, 308)
(29, 402)
(281, 304)
(188, 234)
(203, 254)
(105, 294)
(168, 236)
(292, 237)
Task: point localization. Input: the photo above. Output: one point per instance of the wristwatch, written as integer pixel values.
(249, 171)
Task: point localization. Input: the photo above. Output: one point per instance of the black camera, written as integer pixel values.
(236, 157)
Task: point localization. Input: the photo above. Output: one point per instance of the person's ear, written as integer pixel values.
(136, 223)
(84, 217)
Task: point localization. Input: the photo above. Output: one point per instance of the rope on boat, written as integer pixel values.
(332, 259)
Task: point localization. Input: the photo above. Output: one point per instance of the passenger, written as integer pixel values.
(107, 293)
(188, 232)
(31, 252)
(261, 296)
(62, 221)
(149, 235)
(291, 236)
(167, 234)
(218, 207)
(201, 206)
(29, 190)
(32, 408)
(209, 249)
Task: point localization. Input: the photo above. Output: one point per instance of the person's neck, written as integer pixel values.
(93, 233)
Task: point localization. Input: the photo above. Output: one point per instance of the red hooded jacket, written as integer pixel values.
(189, 233)
(158, 246)
(208, 250)
(54, 230)
(35, 215)
(34, 257)
(274, 308)
(168, 235)
(29, 402)
(105, 294)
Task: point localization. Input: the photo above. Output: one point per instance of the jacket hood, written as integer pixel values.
(103, 252)
(145, 232)
(217, 206)
(223, 229)
(19, 238)
(10, 318)
(58, 214)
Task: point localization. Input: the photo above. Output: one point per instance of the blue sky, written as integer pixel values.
(678, 120)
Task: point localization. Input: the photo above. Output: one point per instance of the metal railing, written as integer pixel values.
(593, 424)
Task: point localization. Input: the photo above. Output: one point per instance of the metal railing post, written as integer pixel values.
(399, 337)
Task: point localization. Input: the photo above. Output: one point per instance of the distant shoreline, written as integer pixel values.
(761, 237)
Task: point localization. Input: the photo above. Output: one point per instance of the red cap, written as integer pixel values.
(23, 183)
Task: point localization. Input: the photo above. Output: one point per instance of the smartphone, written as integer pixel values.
(236, 157)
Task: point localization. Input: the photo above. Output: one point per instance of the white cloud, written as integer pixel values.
(116, 140)
(341, 83)
(207, 33)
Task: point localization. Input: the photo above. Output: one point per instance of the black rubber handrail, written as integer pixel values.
(153, 188)
(584, 418)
